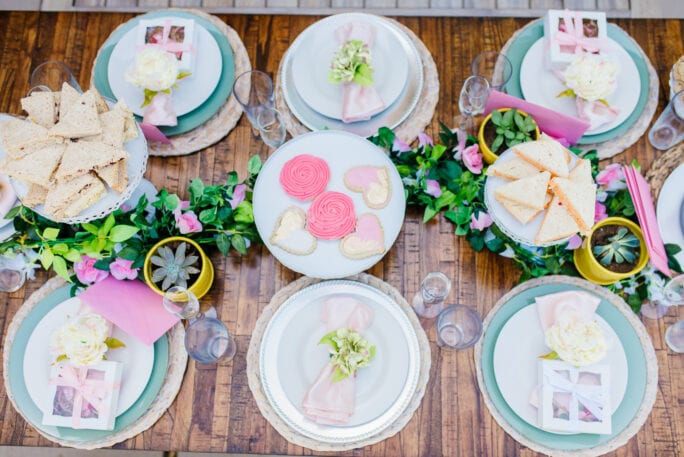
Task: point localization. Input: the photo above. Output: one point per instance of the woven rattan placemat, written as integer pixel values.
(661, 168)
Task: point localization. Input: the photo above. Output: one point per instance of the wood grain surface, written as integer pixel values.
(214, 410)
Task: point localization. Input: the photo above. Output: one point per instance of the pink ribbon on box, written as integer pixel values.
(166, 45)
(574, 35)
(91, 390)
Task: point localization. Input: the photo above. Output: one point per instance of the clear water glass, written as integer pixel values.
(672, 295)
(668, 130)
(674, 336)
(11, 280)
(474, 94)
(434, 289)
(271, 127)
(181, 302)
(253, 90)
(458, 327)
(50, 75)
(494, 66)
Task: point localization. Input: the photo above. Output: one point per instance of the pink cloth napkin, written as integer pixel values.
(595, 113)
(328, 402)
(132, 306)
(645, 211)
(359, 103)
(552, 122)
(550, 307)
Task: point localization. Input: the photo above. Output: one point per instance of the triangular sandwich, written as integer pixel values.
(558, 223)
(581, 173)
(84, 156)
(545, 154)
(71, 197)
(512, 169)
(530, 192)
(579, 199)
(115, 175)
(19, 137)
(130, 126)
(80, 120)
(42, 107)
(68, 98)
(35, 195)
(521, 212)
(112, 134)
(37, 167)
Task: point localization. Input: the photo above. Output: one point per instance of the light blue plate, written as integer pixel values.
(197, 116)
(34, 415)
(636, 363)
(522, 43)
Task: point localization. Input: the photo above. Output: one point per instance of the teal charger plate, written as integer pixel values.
(535, 30)
(33, 414)
(199, 115)
(642, 370)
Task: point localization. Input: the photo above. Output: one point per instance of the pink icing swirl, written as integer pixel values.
(331, 216)
(304, 176)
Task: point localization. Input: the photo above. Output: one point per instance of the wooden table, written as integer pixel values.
(214, 410)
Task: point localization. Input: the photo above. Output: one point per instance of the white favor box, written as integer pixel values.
(574, 399)
(104, 382)
(181, 32)
(593, 25)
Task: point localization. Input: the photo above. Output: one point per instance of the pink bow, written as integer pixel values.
(169, 46)
(573, 36)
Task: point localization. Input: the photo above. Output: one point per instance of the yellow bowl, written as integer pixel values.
(206, 276)
(487, 153)
(591, 269)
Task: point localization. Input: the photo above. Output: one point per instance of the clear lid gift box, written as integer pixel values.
(173, 34)
(570, 33)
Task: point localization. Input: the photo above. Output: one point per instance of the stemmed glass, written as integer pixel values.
(206, 339)
(49, 76)
(672, 295)
(433, 291)
(472, 100)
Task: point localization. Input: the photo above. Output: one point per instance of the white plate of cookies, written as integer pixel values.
(75, 158)
(540, 194)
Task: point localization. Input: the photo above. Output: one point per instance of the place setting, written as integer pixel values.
(393, 82)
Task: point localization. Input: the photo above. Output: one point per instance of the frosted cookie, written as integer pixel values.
(367, 240)
(331, 216)
(290, 232)
(372, 182)
(304, 177)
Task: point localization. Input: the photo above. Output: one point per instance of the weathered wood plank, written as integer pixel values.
(446, 3)
(185, 3)
(20, 5)
(413, 3)
(216, 3)
(587, 5)
(512, 4)
(121, 3)
(347, 3)
(314, 4)
(479, 4)
(153, 3)
(89, 3)
(281, 3)
(613, 5)
(546, 4)
(250, 3)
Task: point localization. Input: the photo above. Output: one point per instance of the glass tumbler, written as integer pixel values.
(668, 130)
(433, 291)
(674, 336)
(458, 327)
(495, 67)
(271, 127)
(50, 75)
(253, 90)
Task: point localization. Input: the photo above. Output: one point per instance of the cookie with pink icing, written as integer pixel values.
(304, 176)
(372, 182)
(367, 240)
(331, 216)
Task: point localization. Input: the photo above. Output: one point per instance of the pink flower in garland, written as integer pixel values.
(399, 145)
(121, 269)
(481, 222)
(238, 195)
(599, 212)
(472, 159)
(574, 242)
(433, 188)
(612, 177)
(424, 139)
(187, 221)
(87, 273)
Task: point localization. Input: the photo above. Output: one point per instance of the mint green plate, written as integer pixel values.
(522, 43)
(34, 415)
(197, 116)
(636, 362)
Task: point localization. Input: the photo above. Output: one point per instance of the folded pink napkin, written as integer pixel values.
(132, 306)
(550, 307)
(160, 111)
(359, 103)
(328, 402)
(645, 211)
(552, 122)
(595, 113)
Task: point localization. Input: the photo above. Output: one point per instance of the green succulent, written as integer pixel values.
(622, 247)
(174, 268)
(511, 128)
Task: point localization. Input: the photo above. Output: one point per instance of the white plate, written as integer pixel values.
(137, 162)
(137, 358)
(516, 230)
(314, 54)
(541, 86)
(290, 360)
(516, 357)
(342, 151)
(192, 91)
(669, 210)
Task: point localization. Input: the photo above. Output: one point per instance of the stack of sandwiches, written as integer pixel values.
(540, 180)
(71, 151)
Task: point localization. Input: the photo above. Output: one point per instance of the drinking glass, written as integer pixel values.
(50, 75)
(472, 100)
(674, 336)
(458, 327)
(672, 295)
(668, 130)
(206, 339)
(271, 127)
(253, 90)
(433, 291)
(495, 67)
(11, 280)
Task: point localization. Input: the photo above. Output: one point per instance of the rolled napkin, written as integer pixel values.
(359, 103)
(595, 112)
(328, 402)
(550, 308)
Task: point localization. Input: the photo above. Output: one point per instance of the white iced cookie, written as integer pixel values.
(290, 232)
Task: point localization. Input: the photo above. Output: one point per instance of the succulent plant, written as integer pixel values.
(174, 268)
(621, 247)
(511, 128)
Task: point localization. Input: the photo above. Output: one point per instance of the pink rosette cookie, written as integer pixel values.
(331, 216)
(304, 176)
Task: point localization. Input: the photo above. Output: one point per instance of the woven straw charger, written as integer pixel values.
(647, 401)
(225, 119)
(178, 359)
(254, 375)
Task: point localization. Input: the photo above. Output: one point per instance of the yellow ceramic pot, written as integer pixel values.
(206, 276)
(487, 153)
(591, 269)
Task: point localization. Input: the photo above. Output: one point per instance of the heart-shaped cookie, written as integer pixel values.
(290, 232)
(367, 240)
(372, 182)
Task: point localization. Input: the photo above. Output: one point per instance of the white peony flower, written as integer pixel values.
(579, 343)
(82, 341)
(591, 77)
(154, 69)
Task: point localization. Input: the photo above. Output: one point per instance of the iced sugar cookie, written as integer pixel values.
(331, 216)
(304, 176)
(290, 232)
(372, 182)
(367, 240)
